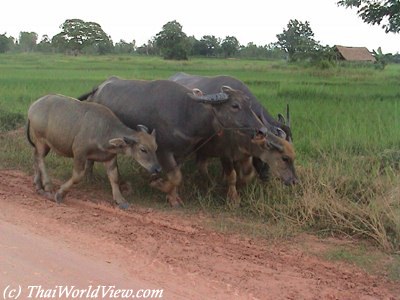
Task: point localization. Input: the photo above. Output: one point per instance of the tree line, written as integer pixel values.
(295, 43)
(80, 37)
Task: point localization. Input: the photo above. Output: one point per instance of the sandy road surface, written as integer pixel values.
(86, 243)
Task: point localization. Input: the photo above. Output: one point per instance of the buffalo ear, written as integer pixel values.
(281, 133)
(281, 119)
(130, 140)
(227, 89)
(274, 145)
(259, 141)
(117, 142)
(153, 133)
(197, 92)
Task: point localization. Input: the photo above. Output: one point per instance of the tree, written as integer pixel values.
(44, 45)
(208, 45)
(148, 49)
(77, 35)
(27, 41)
(211, 45)
(230, 45)
(172, 41)
(375, 12)
(297, 40)
(5, 43)
(123, 47)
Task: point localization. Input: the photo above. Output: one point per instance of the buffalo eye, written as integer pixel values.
(286, 159)
(143, 150)
(235, 106)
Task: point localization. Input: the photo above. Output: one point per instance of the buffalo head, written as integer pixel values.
(278, 154)
(232, 110)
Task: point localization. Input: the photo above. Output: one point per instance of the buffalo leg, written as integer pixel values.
(77, 174)
(113, 176)
(244, 171)
(170, 186)
(89, 170)
(41, 179)
(202, 164)
(230, 176)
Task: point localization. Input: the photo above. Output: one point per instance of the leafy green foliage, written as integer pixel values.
(27, 41)
(297, 40)
(230, 46)
(172, 41)
(77, 35)
(377, 12)
(208, 45)
(5, 43)
(123, 47)
(44, 45)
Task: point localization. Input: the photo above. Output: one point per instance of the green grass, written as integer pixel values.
(368, 259)
(345, 122)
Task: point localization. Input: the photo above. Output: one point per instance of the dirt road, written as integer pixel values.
(86, 242)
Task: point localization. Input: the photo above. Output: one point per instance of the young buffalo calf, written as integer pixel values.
(85, 131)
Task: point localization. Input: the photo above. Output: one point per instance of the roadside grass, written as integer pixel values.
(366, 258)
(345, 123)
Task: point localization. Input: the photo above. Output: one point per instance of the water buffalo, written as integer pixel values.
(84, 131)
(236, 152)
(183, 120)
(235, 160)
(280, 127)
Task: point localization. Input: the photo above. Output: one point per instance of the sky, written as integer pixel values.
(248, 20)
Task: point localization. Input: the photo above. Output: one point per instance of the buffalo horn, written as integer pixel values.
(212, 98)
(263, 120)
(143, 128)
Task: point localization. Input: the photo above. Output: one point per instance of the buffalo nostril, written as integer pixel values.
(291, 181)
(157, 170)
(263, 131)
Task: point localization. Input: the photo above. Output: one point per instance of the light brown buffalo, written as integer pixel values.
(236, 155)
(84, 131)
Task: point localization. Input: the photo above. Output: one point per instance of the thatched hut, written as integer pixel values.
(354, 54)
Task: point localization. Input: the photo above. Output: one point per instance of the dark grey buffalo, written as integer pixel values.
(183, 120)
(236, 160)
(280, 127)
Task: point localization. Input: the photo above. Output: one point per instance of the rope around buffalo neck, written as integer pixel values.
(218, 133)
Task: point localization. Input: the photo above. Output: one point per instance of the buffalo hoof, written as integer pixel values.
(58, 197)
(45, 194)
(233, 200)
(49, 187)
(157, 183)
(123, 205)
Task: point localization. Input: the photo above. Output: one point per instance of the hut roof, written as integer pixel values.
(355, 53)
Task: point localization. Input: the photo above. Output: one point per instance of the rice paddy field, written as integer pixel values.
(345, 123)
